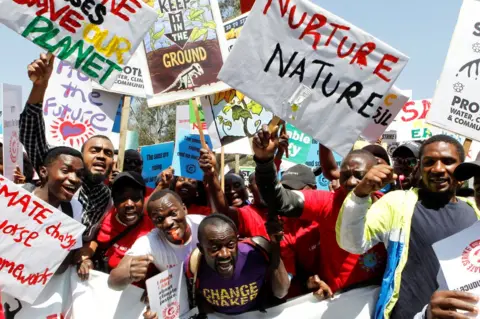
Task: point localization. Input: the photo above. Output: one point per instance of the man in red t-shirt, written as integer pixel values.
(338, 268)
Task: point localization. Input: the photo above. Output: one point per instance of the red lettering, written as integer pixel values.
(70, 21)
(426, 109)
(4, 190)
(24, 201)
(116, 10)
(291, 16)
(335, 28)
(340, 46)
(27, 2)
(50, 4)
(20, 232)
(361, 56)
(311, 28)
(37, 205)
(41, 215)
(407, 110)
(381, 66)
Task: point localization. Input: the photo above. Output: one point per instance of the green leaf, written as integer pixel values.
(236, 112)
(228, 124)
(220, 119)
(195, 14)
(160, 13)
(245, 114)
(226, 108)
(159, 34)
(210, 25)
(197, 33)
(255, 108)
(257, 123)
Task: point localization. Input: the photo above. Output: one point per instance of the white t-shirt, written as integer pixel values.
(165, 254)
(77, 209)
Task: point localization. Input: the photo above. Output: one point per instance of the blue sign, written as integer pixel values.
(156, 158)
(118, 118)
(187, 150)
(313, 161)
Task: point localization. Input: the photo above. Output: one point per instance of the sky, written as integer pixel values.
(422, 30)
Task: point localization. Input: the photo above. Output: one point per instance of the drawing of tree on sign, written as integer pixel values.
(236, 116)
(469, 67)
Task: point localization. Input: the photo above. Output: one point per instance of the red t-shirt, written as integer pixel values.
(339, 269)
(149, 191)
(111, 228)
(199, 210)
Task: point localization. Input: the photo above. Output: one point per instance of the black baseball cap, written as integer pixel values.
(467, 170)
(131, 179)
(378, 151)
(298, 176)
(411, 146)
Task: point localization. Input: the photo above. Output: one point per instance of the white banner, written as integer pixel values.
(135, 78)
(98, 37)
(332, 85)
(457, 99)
(73, 112)
(12, 148)
(34, 240)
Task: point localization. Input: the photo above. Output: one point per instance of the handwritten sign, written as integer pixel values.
(74, 112)
(134, 79)
(318, 86)
(34, 240)
(392, 104)
(185, 48)
(187, 150)
(97, 37)
(12, 148)
(457, 101)
(156, 158)
(458, 257)
(167, 293)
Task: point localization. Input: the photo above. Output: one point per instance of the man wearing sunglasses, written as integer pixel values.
(405, 159)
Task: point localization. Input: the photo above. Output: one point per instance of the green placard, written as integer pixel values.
(298, 145)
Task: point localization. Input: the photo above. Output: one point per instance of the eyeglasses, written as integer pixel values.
(409, 161)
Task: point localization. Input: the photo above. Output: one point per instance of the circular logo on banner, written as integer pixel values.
(471, 257)
(191, 168)
(14, 145)
(323, 181)
(172, 310)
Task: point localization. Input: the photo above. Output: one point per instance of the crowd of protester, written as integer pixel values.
(375, 226)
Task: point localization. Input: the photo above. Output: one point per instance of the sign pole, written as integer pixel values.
(195, 103)
(222, 168)
(123, 131)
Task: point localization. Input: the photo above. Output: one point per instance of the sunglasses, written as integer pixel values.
(409, 161)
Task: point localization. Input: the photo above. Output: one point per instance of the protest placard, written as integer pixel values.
(156, 158)
(233, 28)
(12, 148)
(392, 104)
(73, 112)
(167, 293)
(332, 86)
(186, 153)
(231, 116)
(459, 259)
(299, 145)
(34, 240)
(185, 48)
(118, 118)
(97, 37)
(185, 118)
(134, 79)
(132, 142)
(457, 100)
(66, 296)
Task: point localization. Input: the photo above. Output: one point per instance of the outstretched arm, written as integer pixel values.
(327, 161)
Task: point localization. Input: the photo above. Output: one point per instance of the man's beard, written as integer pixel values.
(91, 178)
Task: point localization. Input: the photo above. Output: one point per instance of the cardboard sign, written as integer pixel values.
(233, 28)
(185, 48)
(12, 148)
(156, 158)
(73, 112)
(135, 78)
(458, 257)
(457, 100)
(167, 293)
(34, 240)
(285, 60)
(66, 296)
(298, 145)
(96, 37)
(392, 104)
(232, 116)
(186, 153)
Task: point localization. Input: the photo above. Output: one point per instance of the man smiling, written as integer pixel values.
(408, 223)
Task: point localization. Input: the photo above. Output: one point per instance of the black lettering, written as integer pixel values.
(100, 12)
(300, 70)
(353, 90)
(456, 100)
(281, 71)
(87, 5)
(368, 102)
(323, 63)
(477, 29)
(75, 3)
(324, 86)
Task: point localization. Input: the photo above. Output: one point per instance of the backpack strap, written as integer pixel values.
(67, 208)
(193, 264)
(261, 244)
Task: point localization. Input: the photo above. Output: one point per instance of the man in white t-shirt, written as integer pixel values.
(172, 240)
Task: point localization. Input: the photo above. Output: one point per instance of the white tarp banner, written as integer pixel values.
(73, 111)
(99, 38)
(312, 69)
(34, 240)
(135, 78)
(12, 148)
(456, 101)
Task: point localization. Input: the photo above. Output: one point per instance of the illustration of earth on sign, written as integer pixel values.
(182, 46)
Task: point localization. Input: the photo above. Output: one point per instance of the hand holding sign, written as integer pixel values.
(207, 161)
(40, 70)
(376, 179)
(149, 314)
(444, 304)
(139, 267)
(166, 178)
(265, 144)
